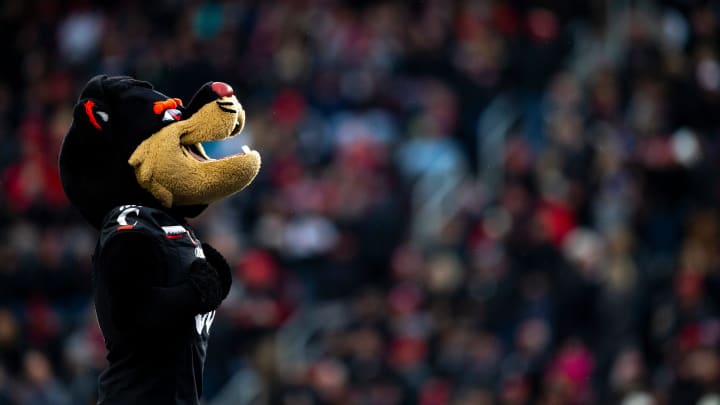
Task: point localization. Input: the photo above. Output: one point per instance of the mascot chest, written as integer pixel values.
(177, 242)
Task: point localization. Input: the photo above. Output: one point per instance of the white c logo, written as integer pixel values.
(122, 218)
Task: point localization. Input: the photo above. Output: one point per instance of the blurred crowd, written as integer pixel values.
(587, 274)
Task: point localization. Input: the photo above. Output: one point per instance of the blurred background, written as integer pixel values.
(462, 202)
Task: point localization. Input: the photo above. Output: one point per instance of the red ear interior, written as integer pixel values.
(89, 104)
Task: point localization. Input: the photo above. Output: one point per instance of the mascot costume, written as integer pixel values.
(133, 164)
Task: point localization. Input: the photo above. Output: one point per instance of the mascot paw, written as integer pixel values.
(221, 265)
(208, 284)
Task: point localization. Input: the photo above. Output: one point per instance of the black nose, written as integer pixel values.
(222, 89)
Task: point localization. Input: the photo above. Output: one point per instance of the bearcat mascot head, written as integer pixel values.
(130, 144)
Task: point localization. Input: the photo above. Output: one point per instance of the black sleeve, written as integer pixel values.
(132, 265)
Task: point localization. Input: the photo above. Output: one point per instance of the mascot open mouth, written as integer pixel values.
(173, 165)
(197, 151)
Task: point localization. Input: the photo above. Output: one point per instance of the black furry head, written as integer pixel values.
(112, 117)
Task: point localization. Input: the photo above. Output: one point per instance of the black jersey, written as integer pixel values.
(155, 336)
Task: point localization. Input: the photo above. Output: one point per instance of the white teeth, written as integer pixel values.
(246, 149)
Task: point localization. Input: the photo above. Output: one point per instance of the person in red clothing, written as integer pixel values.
(34, 178)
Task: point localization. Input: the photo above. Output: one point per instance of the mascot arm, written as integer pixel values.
(221, 265)
(134, 265)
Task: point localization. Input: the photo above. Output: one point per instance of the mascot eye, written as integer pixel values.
(168, 109)
(171, 115)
